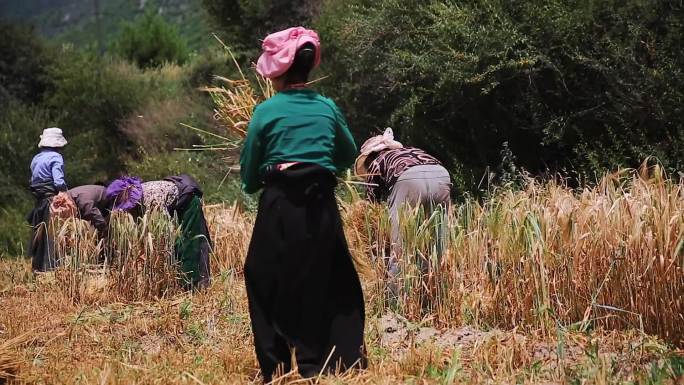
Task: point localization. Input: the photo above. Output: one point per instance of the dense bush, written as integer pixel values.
(92, 96)
(150, 42)
(569, 85)
(24, 63)
(246, 22)
(20, 127)
(203, 68)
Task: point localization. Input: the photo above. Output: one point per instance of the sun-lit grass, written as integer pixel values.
(545, 257)
(545, 284)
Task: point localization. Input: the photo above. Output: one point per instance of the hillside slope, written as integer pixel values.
(74, 21)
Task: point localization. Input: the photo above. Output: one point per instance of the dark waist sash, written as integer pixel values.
(41, 210)
(302, 180)
(43, 190)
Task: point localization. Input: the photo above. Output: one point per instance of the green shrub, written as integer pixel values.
(218, 183)
(202, 68)
(150, 42)
(24, 60)
(246, 22)
(21, 128)
(570, 86)
(92, 97)
(14, 229)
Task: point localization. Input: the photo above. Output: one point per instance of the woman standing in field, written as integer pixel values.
(304, 294)
(47, 180)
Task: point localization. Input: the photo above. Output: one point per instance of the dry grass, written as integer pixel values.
(206, 338)
(234, 102)
(141, 255)
(137, 262)
(547, 256)
(542, 285)
(77, 248)
(231, 229)
(10, 360)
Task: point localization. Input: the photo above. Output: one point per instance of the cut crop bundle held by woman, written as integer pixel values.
(305, 298)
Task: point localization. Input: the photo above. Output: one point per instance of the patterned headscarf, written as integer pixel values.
(375, 144)
(126, 193)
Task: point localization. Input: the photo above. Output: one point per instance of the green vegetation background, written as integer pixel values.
(493, 88)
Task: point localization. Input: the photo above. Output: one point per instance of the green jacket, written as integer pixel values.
(297, 125)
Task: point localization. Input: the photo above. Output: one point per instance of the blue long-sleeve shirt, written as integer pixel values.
(48, 167)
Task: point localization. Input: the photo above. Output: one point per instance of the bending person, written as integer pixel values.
(404, 177)
(304, 294)
(93, 206)
(181, 197)
(47, 180)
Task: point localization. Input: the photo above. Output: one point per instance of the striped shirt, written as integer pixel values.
(387, 167)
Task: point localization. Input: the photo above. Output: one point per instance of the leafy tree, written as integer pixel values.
(246, 22)
(579, 86)
(150, 42)
(24, 60)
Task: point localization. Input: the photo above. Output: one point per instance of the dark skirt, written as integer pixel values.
(41, 247)
(193, 245)
(304, 293)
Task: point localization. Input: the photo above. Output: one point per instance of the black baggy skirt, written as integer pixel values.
(304, 294)
(41, 246)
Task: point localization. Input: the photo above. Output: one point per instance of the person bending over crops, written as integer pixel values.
(405, 177)
(93, 206)
(305, 298)
(180, 196)
(47, 180)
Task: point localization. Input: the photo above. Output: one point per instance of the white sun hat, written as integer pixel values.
(52, 137)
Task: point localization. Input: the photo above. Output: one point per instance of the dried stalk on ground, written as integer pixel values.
(10, 360)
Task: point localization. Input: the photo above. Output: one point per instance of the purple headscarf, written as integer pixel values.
(126, 193)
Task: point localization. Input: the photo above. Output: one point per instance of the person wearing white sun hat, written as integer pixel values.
(47, 180)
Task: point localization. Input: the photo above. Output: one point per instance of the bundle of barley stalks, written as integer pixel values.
(10, 360)
(137, 262)
(234, 102)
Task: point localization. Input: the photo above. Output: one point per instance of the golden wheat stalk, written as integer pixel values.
(610, 255)
(10, 361)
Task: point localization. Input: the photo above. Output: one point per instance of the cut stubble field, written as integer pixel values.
(544, 284)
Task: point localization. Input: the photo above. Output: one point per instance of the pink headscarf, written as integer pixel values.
(279, 50)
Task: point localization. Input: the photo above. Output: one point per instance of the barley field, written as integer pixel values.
(542, 284)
